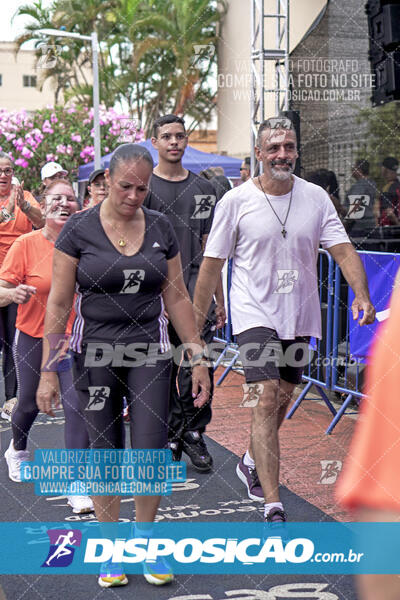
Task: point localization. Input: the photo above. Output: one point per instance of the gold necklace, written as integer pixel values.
(122, 243)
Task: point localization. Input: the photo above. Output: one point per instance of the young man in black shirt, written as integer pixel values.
(188, 201)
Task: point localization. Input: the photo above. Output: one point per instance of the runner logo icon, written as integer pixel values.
(251, 394)
(204, 204)
(98, 397)
(62, 547)
(286, 280)
(357, 205)
(133, 279)
(330, 470)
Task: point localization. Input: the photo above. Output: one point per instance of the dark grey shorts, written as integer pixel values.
(265, 356)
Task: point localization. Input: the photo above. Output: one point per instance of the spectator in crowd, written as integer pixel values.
(207, 174)
(245, 169)
(220, 183)
(360, 201)
(97, 188)
(25, 279)
(327, 180)
(19, 211)
(390, 197)
(51, 171)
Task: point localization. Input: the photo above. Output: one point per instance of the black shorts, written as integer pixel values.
(264, 356)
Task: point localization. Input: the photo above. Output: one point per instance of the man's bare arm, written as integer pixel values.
(219, 294)
(207, 282)
(354, 273)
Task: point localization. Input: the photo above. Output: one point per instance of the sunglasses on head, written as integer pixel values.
(279, 123)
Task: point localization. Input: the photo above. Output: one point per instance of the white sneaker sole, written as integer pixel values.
(81, 511)
(108, 584)
(154, 581)
(16, 479)
(243, 479)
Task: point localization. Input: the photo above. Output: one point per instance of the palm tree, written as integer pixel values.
(182, 35)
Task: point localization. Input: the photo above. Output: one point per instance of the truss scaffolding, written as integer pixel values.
(269, 61)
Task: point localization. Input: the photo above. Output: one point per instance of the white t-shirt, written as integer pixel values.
(274, 279)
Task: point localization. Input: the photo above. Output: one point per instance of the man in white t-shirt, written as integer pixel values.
(271, 227)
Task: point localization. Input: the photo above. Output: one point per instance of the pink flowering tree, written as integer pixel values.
(61, 134)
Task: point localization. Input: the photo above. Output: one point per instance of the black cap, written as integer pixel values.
(95, 174)
(391, 163)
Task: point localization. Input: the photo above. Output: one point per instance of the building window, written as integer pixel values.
(29, 80)
(1, 79)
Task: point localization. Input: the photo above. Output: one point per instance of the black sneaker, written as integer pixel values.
(176, 449)
(195, 447)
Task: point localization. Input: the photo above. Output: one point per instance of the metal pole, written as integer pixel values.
(287, 47)
(96, 102)
(253, 87)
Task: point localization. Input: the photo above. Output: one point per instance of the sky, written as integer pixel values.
(9, 30)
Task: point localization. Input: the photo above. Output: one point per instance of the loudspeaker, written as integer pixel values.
(294, 116)
(384, 46)
(387, 78)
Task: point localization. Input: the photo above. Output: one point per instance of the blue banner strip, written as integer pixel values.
(202, 548)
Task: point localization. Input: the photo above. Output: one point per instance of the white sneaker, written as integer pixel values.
(7, 409)
(14, 459)
(80, 504)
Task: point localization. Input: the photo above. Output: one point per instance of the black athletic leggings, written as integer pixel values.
(8, 315)
(28, 357)
(102, 390)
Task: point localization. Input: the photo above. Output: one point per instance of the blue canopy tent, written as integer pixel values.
(193, 159)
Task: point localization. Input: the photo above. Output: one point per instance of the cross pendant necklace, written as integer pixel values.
(283, 223)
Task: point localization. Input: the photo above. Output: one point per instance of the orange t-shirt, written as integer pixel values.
(20, 224)
(30, 261)
(370, 478)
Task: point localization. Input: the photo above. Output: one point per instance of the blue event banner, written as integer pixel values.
(381, 269)
(202, 548)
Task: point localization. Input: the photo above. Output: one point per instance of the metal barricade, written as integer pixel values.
(345, 380)
(318, 374)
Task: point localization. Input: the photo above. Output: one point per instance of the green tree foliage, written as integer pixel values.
(155, 56)
(383, 137)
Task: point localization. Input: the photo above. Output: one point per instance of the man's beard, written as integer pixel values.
(282, 175)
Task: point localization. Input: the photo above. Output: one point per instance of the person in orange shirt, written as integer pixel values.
(369, 486)
(25, 279)
(18, 212)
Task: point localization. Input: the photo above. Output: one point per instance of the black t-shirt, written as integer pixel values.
(118, 297)
(189, 206)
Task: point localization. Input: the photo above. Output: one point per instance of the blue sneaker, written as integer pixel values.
(158, 572)
(112, 575)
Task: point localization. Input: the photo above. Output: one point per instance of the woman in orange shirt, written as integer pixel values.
(25, 279)
(18, 212)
